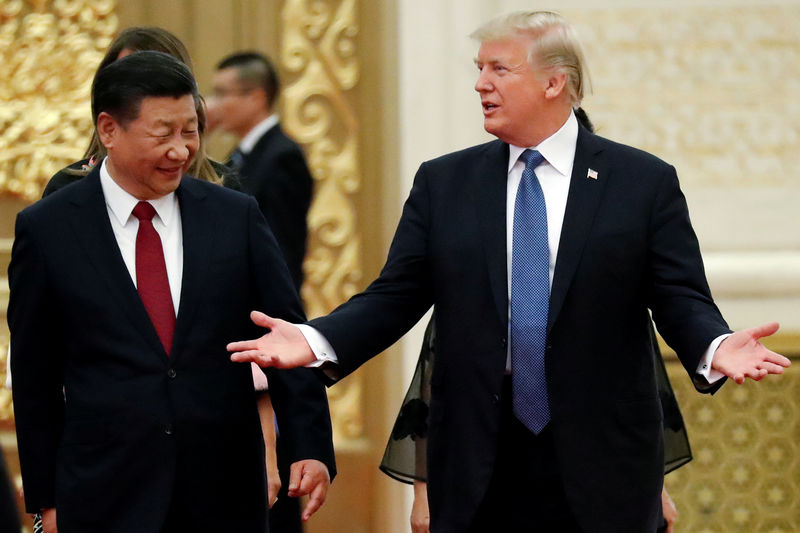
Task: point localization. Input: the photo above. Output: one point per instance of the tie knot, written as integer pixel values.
(144, 211)
(531, 158)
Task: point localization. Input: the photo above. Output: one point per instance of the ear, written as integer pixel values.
(259, 96)
(107, 129)
(556, 85)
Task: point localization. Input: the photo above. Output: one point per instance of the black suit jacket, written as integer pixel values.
(135, 430)
(276, 174)
(626, 246)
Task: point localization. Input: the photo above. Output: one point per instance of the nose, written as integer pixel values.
(483, 84)
(179, 151)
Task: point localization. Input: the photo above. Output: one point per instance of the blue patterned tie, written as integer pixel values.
(530, 299)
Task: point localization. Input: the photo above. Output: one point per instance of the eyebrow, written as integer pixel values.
(170, 123)
(477, 60)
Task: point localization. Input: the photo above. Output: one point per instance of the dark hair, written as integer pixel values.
(583, 119)
(119, 88)
(140, 38)
(255, 70)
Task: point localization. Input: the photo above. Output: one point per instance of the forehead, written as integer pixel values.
(226, 77)
(166, 109)
(500, 50)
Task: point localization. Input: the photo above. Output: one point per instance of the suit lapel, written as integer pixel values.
(198, 242)
(583, 200)
(93, 231)
(490, 203)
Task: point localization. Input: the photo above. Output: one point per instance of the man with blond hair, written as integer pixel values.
(544, 252)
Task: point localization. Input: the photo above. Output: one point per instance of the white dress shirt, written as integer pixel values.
(249, 141)
(167, 222)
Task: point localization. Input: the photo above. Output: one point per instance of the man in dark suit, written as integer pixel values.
(543, 252)
(272, 167)
(130, 416)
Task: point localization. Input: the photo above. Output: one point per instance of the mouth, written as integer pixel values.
(488, 107)
(172, 172)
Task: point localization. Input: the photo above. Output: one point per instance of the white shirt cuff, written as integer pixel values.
(322, 349)
(704, 368)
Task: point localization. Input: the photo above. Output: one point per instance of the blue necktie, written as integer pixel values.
(530, 299)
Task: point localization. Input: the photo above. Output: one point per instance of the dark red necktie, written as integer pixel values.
(151, 275)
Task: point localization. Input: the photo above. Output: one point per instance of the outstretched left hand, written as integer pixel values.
(742, 355)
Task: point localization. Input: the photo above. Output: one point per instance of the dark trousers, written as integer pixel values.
(526, 493)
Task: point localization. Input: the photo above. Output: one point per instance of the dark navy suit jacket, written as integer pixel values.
(626, 247)
(111, 430)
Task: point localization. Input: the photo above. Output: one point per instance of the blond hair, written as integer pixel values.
(554, 45)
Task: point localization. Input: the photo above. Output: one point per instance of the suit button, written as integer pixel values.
(495, 399)
(171, 373)
(504, 342)
(548, 347)
(168, 429)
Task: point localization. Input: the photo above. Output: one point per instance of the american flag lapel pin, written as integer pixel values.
(592, 174)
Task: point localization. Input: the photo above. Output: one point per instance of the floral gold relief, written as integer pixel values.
(48, 53)
(318, 51)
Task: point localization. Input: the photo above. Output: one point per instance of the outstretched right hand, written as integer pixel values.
(284, 346)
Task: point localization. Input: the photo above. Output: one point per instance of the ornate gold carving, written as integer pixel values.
(49, 50)
(712, 90)
(746, 467)
(318, 50)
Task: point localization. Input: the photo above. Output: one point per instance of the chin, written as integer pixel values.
(492, 129)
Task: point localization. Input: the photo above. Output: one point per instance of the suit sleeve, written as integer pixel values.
(36, 367)
(683, 309)
(298, 396)
(373, 320)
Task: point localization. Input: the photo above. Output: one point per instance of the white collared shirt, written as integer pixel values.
(167, 223)
(249, 141)
(554, 175)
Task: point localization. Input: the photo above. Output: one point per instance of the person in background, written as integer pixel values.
(404, 457)
(271, 166)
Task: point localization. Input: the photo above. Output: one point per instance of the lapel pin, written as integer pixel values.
(592, 174)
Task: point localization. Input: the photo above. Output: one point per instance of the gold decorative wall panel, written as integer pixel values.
(712, 90)
(48, 53)
(745, 476)
(318, 51)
